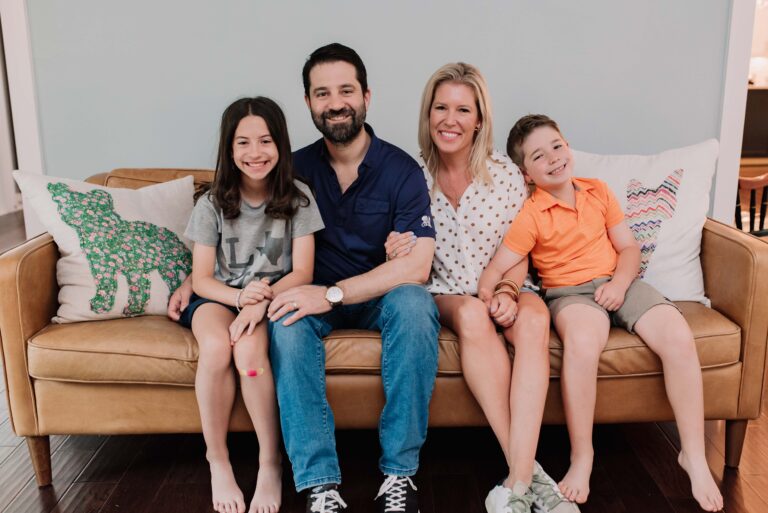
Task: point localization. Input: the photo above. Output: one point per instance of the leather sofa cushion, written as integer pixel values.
(156, 350)
(148, 349)
(136, 178)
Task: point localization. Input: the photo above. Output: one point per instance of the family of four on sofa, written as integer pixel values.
(348, 242)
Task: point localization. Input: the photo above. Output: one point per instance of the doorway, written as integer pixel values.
(754, 149)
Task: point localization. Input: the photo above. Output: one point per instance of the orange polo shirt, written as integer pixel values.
(569, 246)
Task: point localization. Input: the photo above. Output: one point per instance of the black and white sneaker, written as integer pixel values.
(325, 499)
(397, 494)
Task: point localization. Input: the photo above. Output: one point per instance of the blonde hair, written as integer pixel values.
(482, 145)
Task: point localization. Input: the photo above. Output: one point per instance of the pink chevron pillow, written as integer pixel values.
(665, 198)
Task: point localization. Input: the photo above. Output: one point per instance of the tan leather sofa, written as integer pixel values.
(136, 375)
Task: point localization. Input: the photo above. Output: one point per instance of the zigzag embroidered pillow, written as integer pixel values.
(666, 199)
(122, 250)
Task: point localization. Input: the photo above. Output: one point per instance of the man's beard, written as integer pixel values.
(340, 133)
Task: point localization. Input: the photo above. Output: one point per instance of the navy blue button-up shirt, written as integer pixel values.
(390, 193)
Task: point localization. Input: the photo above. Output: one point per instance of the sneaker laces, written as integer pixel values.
(548, 495)
(396, 488)
(519, 499)
(327, 501)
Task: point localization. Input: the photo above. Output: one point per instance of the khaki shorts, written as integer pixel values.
(640, 298)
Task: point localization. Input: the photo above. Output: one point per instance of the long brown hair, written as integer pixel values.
(283, 195)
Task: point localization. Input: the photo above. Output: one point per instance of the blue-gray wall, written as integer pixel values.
(143, 83)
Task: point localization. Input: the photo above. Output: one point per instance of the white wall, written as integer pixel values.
(143, 83)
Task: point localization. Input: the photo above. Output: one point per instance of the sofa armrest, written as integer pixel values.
(28, 300)
(735, 267)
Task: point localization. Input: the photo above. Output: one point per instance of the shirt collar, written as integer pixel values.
(370, 156)
(543, 200)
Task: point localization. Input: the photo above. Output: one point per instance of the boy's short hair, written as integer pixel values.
(335, 52)
(522, 130)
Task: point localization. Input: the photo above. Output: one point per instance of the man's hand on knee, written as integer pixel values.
(298, 302)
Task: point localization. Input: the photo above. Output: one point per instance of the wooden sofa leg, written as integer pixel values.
(40, 453)
(735, 432)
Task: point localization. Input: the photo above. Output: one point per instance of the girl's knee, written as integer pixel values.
(215, 357)
(249, 355)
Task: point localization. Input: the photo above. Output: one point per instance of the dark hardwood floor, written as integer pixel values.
(635, 469)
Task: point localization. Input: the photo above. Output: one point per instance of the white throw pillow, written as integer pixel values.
(666, 199)
(122, 250)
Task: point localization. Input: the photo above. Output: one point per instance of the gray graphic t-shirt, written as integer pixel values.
(253, 245)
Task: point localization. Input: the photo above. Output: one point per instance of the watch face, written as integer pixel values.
(334, 295)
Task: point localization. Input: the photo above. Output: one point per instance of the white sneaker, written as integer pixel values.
(547, 496)
(503, 500)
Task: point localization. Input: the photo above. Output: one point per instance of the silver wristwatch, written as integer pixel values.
(334, 295)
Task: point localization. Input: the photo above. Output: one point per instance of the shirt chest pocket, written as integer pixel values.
(370, 206)
(372, 218)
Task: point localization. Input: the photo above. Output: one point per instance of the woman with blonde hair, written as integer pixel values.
(476, 192)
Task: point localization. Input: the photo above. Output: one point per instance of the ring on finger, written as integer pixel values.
(295, 305)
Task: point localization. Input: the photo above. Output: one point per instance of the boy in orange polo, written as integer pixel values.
(588, 261)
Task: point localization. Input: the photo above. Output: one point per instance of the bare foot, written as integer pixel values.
(269, 486)
(703, 486)
(575, 485)
(226, 495)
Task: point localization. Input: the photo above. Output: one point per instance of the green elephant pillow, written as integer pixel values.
(122, 250)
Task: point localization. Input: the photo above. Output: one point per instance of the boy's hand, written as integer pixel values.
(503, 310)
(399, 244)
(255, 292)
(246, 321)
(610, 295)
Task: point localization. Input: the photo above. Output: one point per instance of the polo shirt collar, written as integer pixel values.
(371, 156)
(543, 200)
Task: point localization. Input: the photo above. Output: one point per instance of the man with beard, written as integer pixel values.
(365, 188)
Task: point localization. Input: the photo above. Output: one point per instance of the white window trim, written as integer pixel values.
(8, 199)
(733, 111)
(23, 93)
(21, 82)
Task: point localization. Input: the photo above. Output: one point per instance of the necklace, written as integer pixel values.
(454, 191)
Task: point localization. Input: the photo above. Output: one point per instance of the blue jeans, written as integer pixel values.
(408, 321)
